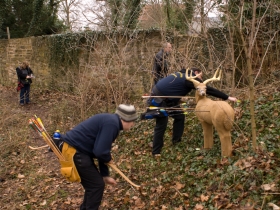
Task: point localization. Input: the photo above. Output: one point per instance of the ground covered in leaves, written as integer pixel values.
(185, 176)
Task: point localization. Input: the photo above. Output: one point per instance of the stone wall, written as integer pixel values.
(122, 61)
(119, 60)
(14, 51)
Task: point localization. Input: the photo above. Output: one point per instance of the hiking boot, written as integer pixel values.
(176, 142)
(156, 156)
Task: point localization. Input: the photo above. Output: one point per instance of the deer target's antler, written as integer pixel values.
(214, 78)
(192, 78)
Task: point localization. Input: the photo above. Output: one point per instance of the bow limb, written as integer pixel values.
(113, 166)
(35, 148)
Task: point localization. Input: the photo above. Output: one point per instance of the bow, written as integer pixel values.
(113, 166)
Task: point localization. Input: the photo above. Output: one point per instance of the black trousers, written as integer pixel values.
(161, 124)
(91, 180)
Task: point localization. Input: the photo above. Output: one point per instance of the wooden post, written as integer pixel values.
(8, 32)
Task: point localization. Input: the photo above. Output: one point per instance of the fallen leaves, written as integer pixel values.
(198, 207)
(179, 186)
(43, 203)
(269, 187)
(186, 178)
(204, 198)
(20, 176)
(275, 207)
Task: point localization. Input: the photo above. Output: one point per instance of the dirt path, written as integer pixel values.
(31, 179)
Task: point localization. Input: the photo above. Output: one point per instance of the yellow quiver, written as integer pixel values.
(68, 168)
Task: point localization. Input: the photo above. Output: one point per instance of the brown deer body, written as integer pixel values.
(215, 113)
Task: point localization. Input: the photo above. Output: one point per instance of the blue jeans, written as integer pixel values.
(91, 180)
(24, 94)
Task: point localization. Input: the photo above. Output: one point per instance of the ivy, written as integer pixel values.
(2, 11)
(131, 17)
(115, 6)
(64, 50)
(218, 38)
(37, 10)
(64, 56)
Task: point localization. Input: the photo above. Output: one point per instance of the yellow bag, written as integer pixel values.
(68, 168)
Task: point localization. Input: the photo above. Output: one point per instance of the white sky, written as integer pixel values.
(85, 13)
(82, 13)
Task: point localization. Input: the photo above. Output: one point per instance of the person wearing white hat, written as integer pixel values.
(93, 138)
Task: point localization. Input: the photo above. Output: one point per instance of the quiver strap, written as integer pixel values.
(68, 168)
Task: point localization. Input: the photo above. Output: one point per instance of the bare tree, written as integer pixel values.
(248, 27)
(71, 13)
(248, 47)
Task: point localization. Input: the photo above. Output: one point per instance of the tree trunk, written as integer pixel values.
(248, 54)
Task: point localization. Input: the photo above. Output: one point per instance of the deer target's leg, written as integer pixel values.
(226, 144)
(208, 135)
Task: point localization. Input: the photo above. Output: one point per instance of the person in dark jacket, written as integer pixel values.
(24, 74)
(160, 68)
(93, 138)
(175, 85)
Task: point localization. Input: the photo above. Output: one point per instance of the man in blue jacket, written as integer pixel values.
(175, 85)
(93, 138)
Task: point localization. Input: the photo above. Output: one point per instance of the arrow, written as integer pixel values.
(167, 97)
(169, 108)
(38, 125)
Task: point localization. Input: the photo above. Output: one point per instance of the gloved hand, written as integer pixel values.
(184, 99)
(109, 180)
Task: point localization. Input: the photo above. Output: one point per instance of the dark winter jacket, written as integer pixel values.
(95, 136)
(177, 85)
(22, 74)
(160, 68)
